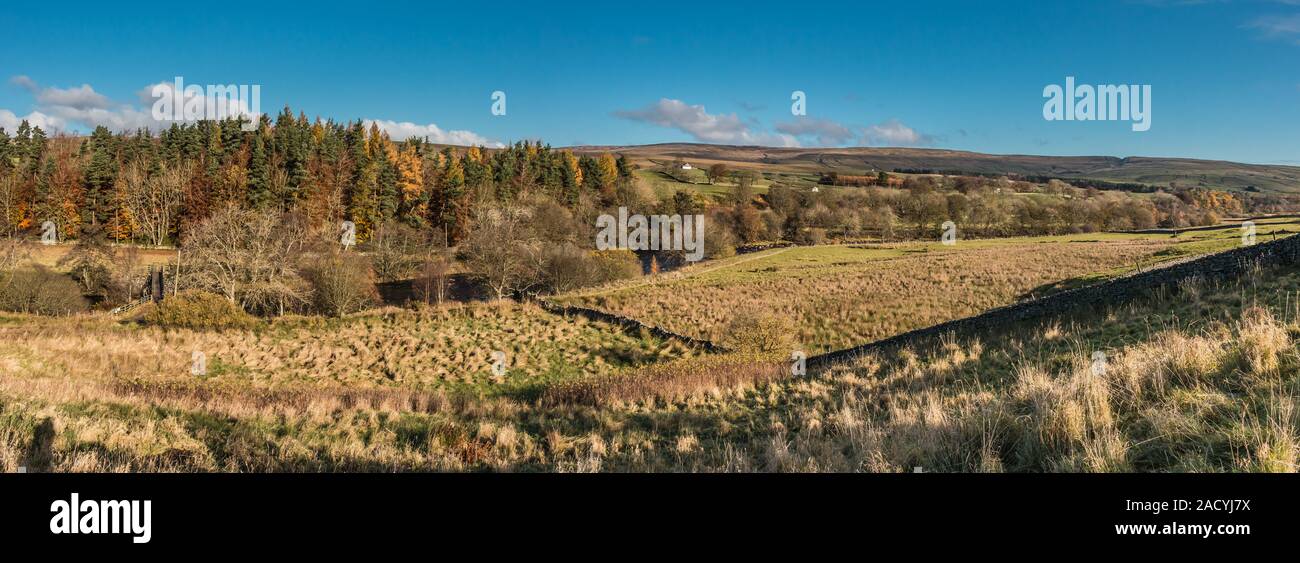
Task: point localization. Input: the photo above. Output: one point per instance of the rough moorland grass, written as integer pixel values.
(448, 347)
(667, 381)
(1202, 377)
(839, 296)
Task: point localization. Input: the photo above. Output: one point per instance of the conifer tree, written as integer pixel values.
(571, 178)
(450, 201)
(384, 156)
(97, 207)
(606, 176)
(259, 171)
(410, 172)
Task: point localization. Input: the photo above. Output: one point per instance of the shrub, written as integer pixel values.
(343, 283)
(759, 333)
(566, 267)
(40, 291)
(200, 310)
(719, 241)
(396, 251)
(614, 265)
(812, 236)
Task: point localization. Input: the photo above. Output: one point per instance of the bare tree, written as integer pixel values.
(155, 200)
(91, 260)
(434, 280)
(343, 282)
(396, 251)
(9, 202)
(127, 273)
(13, 251)
(502, 249)
(250, 257)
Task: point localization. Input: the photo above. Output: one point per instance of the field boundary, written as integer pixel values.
(1218, 265)
(625, 323)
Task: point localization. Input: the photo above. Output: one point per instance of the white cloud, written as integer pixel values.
(1278, 27)
(9, 121)
(201, 102)
(828, 133)
(82, 108)
(400, 131)
(704, 126)
(894, 133)
(82, 97)
(24, 82)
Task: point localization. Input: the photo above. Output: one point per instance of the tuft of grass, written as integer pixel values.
(668, 381)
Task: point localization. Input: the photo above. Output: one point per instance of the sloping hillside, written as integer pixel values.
(1199, 376)
(1146, 170)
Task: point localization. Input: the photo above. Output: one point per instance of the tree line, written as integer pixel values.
(151, 189)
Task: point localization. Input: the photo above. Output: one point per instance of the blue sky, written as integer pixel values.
(1225, 76)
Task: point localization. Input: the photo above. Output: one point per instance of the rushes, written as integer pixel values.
(1262, 342)
(668, 381)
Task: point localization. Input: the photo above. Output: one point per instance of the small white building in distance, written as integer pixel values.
(687, 166)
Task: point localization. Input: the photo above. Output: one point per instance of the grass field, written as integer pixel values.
(1199, 377)
(1202, 377)
(49, 255)
(445, 348)
(839, 296)
(664, 186)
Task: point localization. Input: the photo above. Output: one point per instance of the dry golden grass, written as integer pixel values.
(49, 255)
(667, 381)
(431, 348)
(1188, 385)
(843, 296)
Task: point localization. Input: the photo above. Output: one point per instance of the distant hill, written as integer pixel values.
(1214, 174)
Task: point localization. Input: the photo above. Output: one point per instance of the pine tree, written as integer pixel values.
(99, 177)
(384, 157)
(477, 174)
(259, 171)
(5, 150)
(452, 199)
(571, 178)
(624, 168)
(293, 148)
